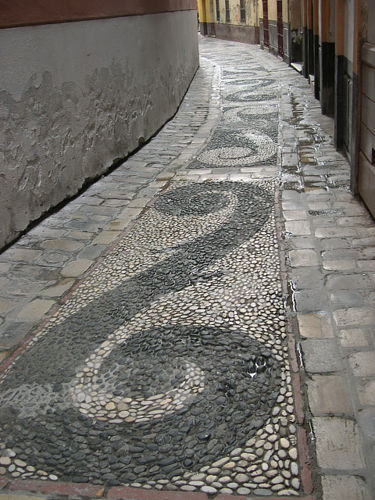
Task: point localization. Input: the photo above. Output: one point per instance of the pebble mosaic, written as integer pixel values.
(248, 132)
(167, 367)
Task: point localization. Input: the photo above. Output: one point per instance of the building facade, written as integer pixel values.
(236, 20)
(365, 167)
(334, 41)
(83, 84)
(274, 27)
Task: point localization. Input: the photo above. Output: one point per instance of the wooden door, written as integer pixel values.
(280, 28)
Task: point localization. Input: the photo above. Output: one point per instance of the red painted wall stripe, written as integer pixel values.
(25, 12)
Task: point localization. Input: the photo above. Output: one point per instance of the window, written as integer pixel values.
(218, 11)
(242, 11)
(227, 12)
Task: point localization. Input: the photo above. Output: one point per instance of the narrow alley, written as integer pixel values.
(199, 323)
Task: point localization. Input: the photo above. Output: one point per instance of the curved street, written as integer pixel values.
(199, 322)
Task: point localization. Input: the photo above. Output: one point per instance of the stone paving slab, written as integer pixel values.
(244, 130)
(336, 353)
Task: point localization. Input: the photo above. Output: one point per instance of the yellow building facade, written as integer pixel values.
(236, 20)
(275, 26)
(332, 42)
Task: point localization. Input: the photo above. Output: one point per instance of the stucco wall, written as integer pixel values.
(206, 10)
(285, 11)
(252, 12)
(75, 96)
(212, 16)
(272, 10)
(295, 14)
(370, 12)
(349, 29)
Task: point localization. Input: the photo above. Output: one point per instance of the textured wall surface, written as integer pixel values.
(76, 96)
(367, 150)
(252, 12)
(245, 34)
(213, 20)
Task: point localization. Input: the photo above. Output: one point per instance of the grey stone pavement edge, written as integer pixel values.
(326, 238)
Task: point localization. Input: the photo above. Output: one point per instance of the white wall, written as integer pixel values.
(76, 96)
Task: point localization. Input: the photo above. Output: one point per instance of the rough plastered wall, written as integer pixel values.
(246, 31)
(75, 96)
(272, 10)
(252, 12)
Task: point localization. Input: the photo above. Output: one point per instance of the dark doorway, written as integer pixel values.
(266, 35)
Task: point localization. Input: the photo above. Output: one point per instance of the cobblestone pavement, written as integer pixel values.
(199, 322)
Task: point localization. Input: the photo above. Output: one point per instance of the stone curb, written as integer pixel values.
(299, 403)
(125, 493)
